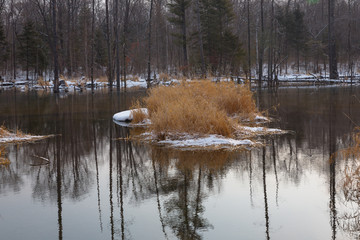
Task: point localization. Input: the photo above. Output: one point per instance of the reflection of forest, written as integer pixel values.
(179, 181)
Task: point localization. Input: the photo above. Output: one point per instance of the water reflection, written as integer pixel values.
(191, 174)
(129, 190)
(265, 193)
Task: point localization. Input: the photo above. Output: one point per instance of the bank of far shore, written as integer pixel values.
(135, 82)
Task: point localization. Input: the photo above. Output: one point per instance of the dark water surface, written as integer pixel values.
(99, 187)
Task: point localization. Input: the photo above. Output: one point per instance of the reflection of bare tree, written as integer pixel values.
(133, 176)
(10, 179)
(96, 162)
(111, 188)
(178, 181)
(120, 187)
(332, 159)
(265, 194)
(58, 181)
(185, 187)
(158, 199)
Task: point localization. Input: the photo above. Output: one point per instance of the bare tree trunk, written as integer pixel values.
(201, 45)
(270, 57)
(2, 5)
(149, 45)
(184, 40)
(332, 45)
(125, 29)
(261, 47)
(55, 52)
(109, 70)
(249, 38)
(60, 34)
(69, 33)
(92, 45)
(117, 49)
(350, 63)
(13, 40)
(27, 64)
(86, 42)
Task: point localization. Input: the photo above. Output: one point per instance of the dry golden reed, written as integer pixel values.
(4, 132)
(138, 114)
(200, 107)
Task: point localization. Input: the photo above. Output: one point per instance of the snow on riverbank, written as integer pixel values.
(127, 116)
(259, 130)
(134, 82)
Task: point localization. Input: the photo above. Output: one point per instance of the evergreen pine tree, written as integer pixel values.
(30, 53)
(295, 30)
(222, 48)
(178, 9)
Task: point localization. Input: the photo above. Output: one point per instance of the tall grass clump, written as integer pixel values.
(199, 108)
(138, 113)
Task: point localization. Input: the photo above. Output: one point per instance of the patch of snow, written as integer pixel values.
(261, 118)
(14, 138)
(21, 83)
(141, 83)
(260, 130)
(7, 84)
(208, 141)
(126, 116)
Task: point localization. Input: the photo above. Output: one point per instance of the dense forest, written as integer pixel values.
(116, 38)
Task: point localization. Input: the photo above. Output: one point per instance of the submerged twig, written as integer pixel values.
(350, 119)
(42, 158)
(45, 161)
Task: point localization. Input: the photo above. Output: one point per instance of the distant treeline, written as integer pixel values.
(189, 37)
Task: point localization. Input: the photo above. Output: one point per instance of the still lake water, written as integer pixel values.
(99, 186)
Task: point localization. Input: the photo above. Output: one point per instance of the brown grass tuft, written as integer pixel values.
(199, 107)
(138, 114)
